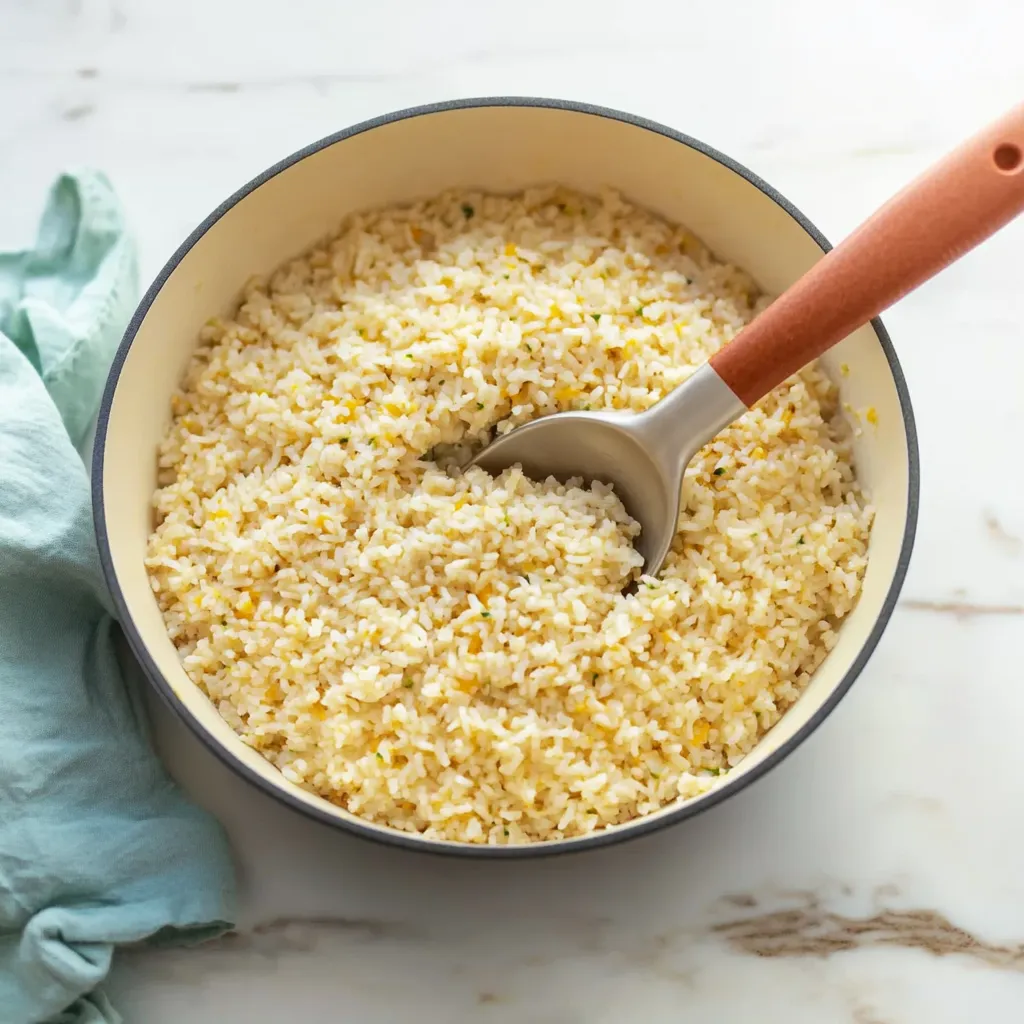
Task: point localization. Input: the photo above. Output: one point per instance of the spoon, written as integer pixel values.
(951, 208)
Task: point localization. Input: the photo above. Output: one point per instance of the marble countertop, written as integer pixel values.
(873, 878)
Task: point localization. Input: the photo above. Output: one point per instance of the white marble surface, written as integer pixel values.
(874, 878)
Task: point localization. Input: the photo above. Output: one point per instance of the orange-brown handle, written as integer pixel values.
(950, 209)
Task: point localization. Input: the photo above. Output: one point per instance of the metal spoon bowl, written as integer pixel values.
(642, 455)
(954, 206)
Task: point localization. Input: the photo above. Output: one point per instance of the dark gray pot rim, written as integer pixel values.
(642, 826)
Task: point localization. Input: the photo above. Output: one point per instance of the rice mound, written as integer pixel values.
(451, 654)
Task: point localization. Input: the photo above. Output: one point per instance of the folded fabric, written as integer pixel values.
(97, 846)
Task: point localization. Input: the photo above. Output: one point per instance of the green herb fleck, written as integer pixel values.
(720, 471)
(467, 211)
(714, 771)
(505, 831)
(596, 316)
(407, 683)
(485, 615)
(507, 520)
(800, 539)
(479, 405)
(505, 276)
(380, 756)
(594, 676)
(408, 355)
(640, 311)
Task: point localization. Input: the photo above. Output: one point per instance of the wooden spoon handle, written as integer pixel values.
(951, 208)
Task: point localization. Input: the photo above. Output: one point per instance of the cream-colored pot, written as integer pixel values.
(498, 145)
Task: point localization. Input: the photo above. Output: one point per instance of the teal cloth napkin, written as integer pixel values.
(97, 846)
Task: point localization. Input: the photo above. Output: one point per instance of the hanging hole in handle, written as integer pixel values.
(1008, 158)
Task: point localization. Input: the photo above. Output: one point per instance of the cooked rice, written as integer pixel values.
(452, 654)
